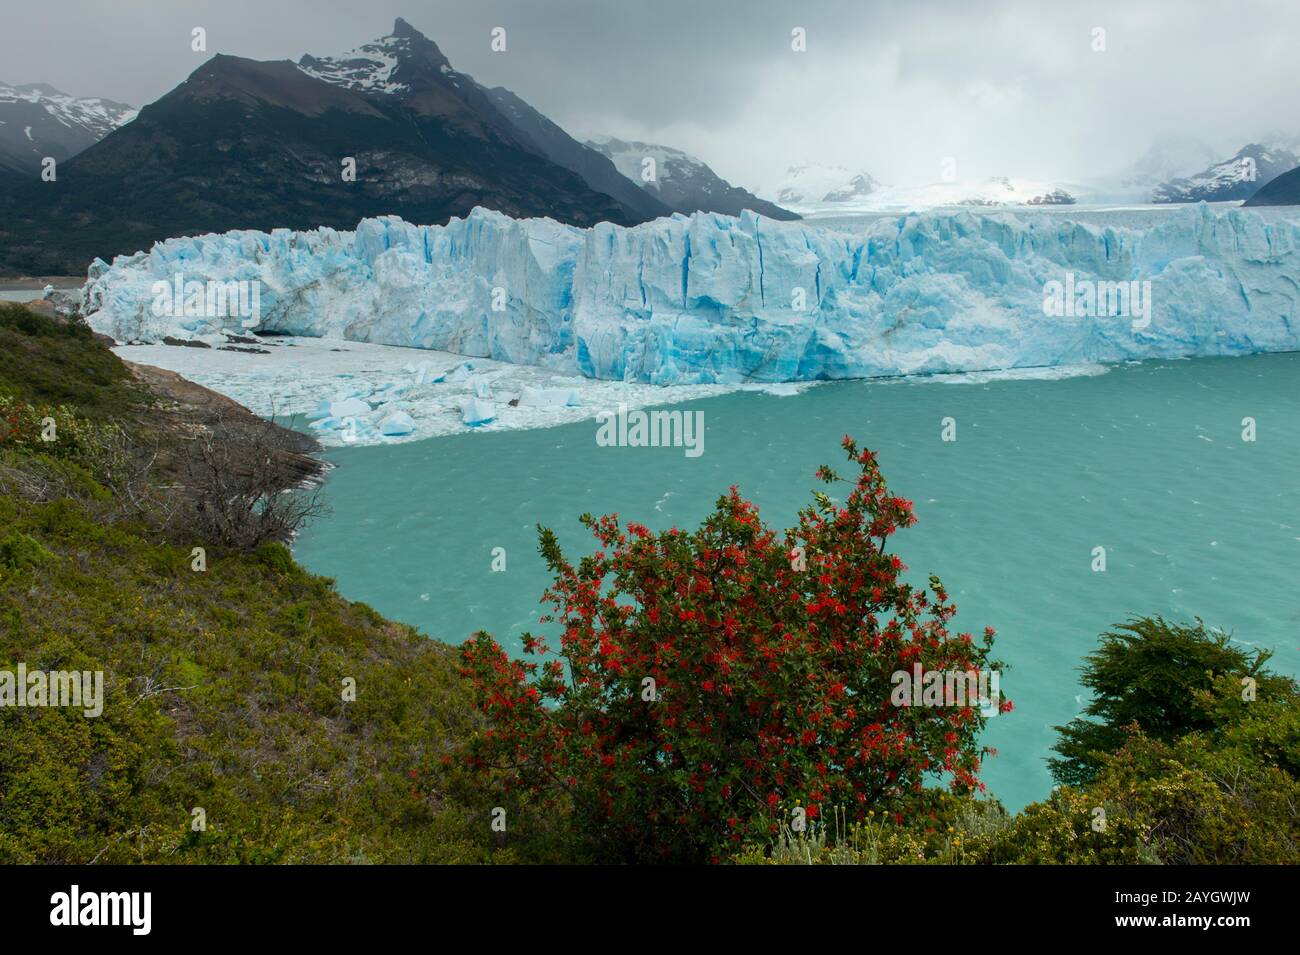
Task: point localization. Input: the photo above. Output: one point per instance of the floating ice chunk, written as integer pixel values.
(357, 430)
(397, 423)
(349, 407)
(550, 398)
(461, 373)
(301, 380)
(476, 411)
(480, 386)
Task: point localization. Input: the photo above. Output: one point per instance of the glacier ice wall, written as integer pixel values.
(716, 299)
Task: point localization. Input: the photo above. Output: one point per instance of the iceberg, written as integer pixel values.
(462, 373)
(714, 299)
(550, 398)
(348, 407)
(398, 423)
(475, 411)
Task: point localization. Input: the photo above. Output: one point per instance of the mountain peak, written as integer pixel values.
(390, 64)
(403, 29)
(37, 120)
(44, 89)
(1252, 168)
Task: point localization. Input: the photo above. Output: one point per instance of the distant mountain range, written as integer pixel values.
(245, 144)
(1173, 170)
(36, 121)
(808, 186)
(815, 190)
(1238, 177)
(681, 181)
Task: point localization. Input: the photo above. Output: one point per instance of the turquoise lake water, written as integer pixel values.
(1146, 460)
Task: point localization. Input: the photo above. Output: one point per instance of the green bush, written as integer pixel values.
(46, 362)
(1157, 676)
(19, 551)
(1193, 758)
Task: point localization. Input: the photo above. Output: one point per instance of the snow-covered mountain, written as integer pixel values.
(713, 299)
(681, 181)
(1057, 197)
(808, 187)
(264, 144)
(1240, 177)
(392, 67)
(36, 121)
(1172, 157)
(992, 192)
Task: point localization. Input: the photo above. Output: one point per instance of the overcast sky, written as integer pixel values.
(1010, 88)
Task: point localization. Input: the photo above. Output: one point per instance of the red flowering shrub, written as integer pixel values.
(709, 684)
(50, 429)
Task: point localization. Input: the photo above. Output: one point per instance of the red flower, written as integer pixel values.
(793, 670)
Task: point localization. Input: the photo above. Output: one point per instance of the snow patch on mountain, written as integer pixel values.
(629, 158)
(94, 114)
(367, 69)
(37, 122)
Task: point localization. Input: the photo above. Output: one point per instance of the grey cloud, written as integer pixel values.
(1009, 87)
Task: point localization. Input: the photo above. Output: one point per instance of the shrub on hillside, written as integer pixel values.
(1159, 676)
(711, 686)
(49, 429)
(20, 551)
(1196, 802)
(1193, 758)
(235, 490)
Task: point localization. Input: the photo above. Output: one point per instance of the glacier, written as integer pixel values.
(714, 299)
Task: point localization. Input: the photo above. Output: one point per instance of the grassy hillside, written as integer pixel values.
(50, 362)
(224, 687)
